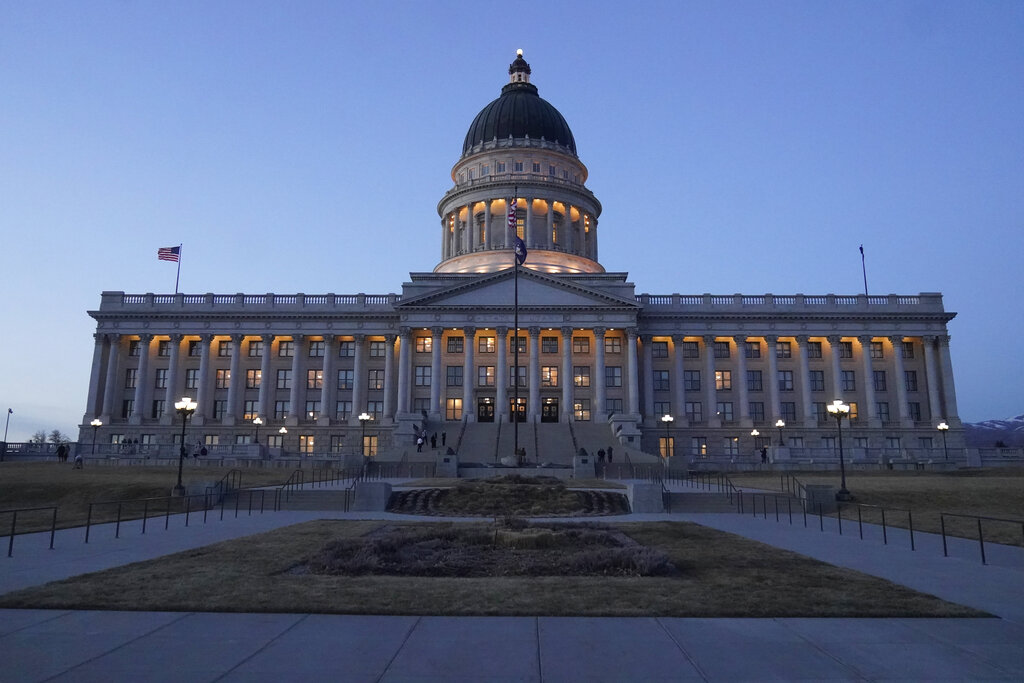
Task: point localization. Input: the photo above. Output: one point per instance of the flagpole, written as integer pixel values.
(864, 269)
(178, 276)
(515, 325)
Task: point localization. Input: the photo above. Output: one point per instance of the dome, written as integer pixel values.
(519, 113)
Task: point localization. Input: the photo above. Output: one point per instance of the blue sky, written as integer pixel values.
(302, 147)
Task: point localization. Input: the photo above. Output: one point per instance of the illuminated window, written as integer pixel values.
(223, 379)
(225, 348)
(581, 375)
(699, 446)
(316, 349)
(581, 409)
(549, 376)
(723, 380)
(485, 345)
(285, 349)
(424, 344)
(453, 409)
(256, 348)
(314, 379)
(375, 380)
(251, 410)
(581, 345)
(253, 379)
(485, 376)
(306, 443)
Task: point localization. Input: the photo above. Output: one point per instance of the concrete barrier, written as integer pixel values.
(371, 496)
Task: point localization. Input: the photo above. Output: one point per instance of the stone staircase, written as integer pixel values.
(478, 442)
(687, 501)
(527, 439)
(553, 444)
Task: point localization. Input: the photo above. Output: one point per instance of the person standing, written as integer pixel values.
(444, 438)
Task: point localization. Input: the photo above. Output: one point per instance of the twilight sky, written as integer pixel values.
(303, 147)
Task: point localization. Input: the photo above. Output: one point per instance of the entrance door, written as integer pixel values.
(485, 410)
(549, 410)
(517, 413)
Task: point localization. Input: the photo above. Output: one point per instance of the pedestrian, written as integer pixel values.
(419, 444)
(79, 463)
(60, 452)
(609, 454)
(600, 455)
(433, 440)
(764, 455)
(444, 438)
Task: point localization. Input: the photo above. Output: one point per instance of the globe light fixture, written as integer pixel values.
(363, 419)
(257, 421)
(185, 407)
(667, 420)
(839, 410)
(780, 424)
(943, 428)
(96, 424)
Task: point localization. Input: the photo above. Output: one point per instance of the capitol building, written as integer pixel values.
(598, 364)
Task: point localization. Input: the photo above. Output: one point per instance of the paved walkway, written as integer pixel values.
(37, 645)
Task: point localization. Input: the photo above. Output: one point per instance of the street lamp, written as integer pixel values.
(282, 431)
(96, 424)
(839, 410)
(185, 407)
(363, 419)
(780, 424)
(667, 420)
(943, 427)
(257, 421)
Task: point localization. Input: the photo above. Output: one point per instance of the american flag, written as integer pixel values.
(512, 225)
(168, 253)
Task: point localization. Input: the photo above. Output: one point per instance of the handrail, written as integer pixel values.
(981, 536)
(14, 524)
(232, 480)
(295, 482)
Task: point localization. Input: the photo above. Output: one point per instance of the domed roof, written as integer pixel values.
(520, 112)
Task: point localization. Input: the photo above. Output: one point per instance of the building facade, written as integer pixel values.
(590, 350)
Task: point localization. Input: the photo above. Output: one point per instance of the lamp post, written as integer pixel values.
(363, 419)
(839, 410)
(943, 427)
(257, 421)
(780, 424)
(667, 420)
(282, 431)
(185, 407)
(96, 424)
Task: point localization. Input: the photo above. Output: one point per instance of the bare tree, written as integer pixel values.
(56, 436)
(38, 437)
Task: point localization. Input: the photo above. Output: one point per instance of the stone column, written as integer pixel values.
(469, 375)
(807, 412)
(679, 392)
(948, 388)
(297, 395)
(390, 379)
(871, 410)
(267, 383)
(566, 373)
(236, 384)
(329, 391)
(501, 376)
(710, 393)
(444, 238)
(598, 379)
(527, 230)
(436, 381)
(404, 371)
(932, 379)
(739, 382)
(775, 411)
(171, 394)
(902, 411)
(473, 239)
(204, 396)
(92, 403)
(837, 377)
(359, 380)
(648, 375)
(488, 232)
(141, 380)
(110, 386)
(548, 234)
(533, 403)
(632, 381)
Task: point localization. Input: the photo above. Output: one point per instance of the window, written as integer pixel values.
(783, 349)
(256, 348)
(924, 442)
(724, 409)
(485, 376)
(877, 350)
(284, 379)
(517, 166)
(192, 379)
(581, 375)
(316, 349)
(821, 412)
(757, 411)
(343, 409)
(849, 381)
(453, 409)
(220, 406)
(581, 409)
(613, 376)
(375, 409)
(453, 376)
(522, 344)
(536, 168)
(551, 170)
(421, 405)
(754, 380)
(522, 376)
(723, 380)
(828, 442)
(694, 411)
(163, 348)
(223, 379)
(817, 378)
(275, 441)
(194, 349)
(662, 408)
(788, 410)
(374, 380)
(860, 442)
(485, 170)
(914, 410)
(422, 376)
(814, 349)
(853, 411)
(241, 439)
(306, 443)
(691, 349)
(485, 344)
(878, 377)
(499, 167)
(911, 379)
(251, 410)
(115, 439)
(549, 344)
(225, 347)
(846, 349)
(346, 349)
(129, 378)
(314, 379)
(753, 349)
(158, 409)
(211, 439)
(659, 349)
(253, 379)
(908, 349)
(612, 344)
(346, 379)
(378, 349)
(285, 349)
(731, 445)
(312, 410)
(892, 442)
(424, 344)
(455, 344)
(785, 380)
(135, 347)
(613, 405)
(337, 443)
(581, 345)
(721, 349)
(691, 380)
(549, 376)
(882, 409)
(661, 380)
(699, 446)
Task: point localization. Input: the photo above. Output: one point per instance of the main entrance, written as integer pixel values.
(549, 410)
(485, 409)
(517, 411)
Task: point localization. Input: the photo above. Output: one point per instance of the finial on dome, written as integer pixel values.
(519, 52)
(519, 70)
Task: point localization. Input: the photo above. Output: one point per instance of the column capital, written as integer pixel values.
(802, 339)
(205, 338)
(145, 338)
(502, 331)
(359, 338)
(436, 332)
(176, 338)
(599, 332)
(834, 339)
(930, 339)
(709, 339)
(631, 332)
(470, 332)
(943, 339)
(567, 332)
(771, 338)
(896, 339)
(236, 338)
(645, 338)
(390, 339)
(738, 338)
(298, 338)
(678, 339)
(267, 339)
(534, 332)
(403, 332)
(865, 339)
(99, 337)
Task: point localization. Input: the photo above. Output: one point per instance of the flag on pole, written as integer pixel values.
(518, 245)
(862, 251)
(168, 253)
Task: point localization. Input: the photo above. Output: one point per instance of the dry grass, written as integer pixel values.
(720, 575)
(444, 482)
(990, 493)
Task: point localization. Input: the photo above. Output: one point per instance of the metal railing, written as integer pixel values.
(14, 524)
(981, 534)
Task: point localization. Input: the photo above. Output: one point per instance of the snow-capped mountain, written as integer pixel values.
(990, 432)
